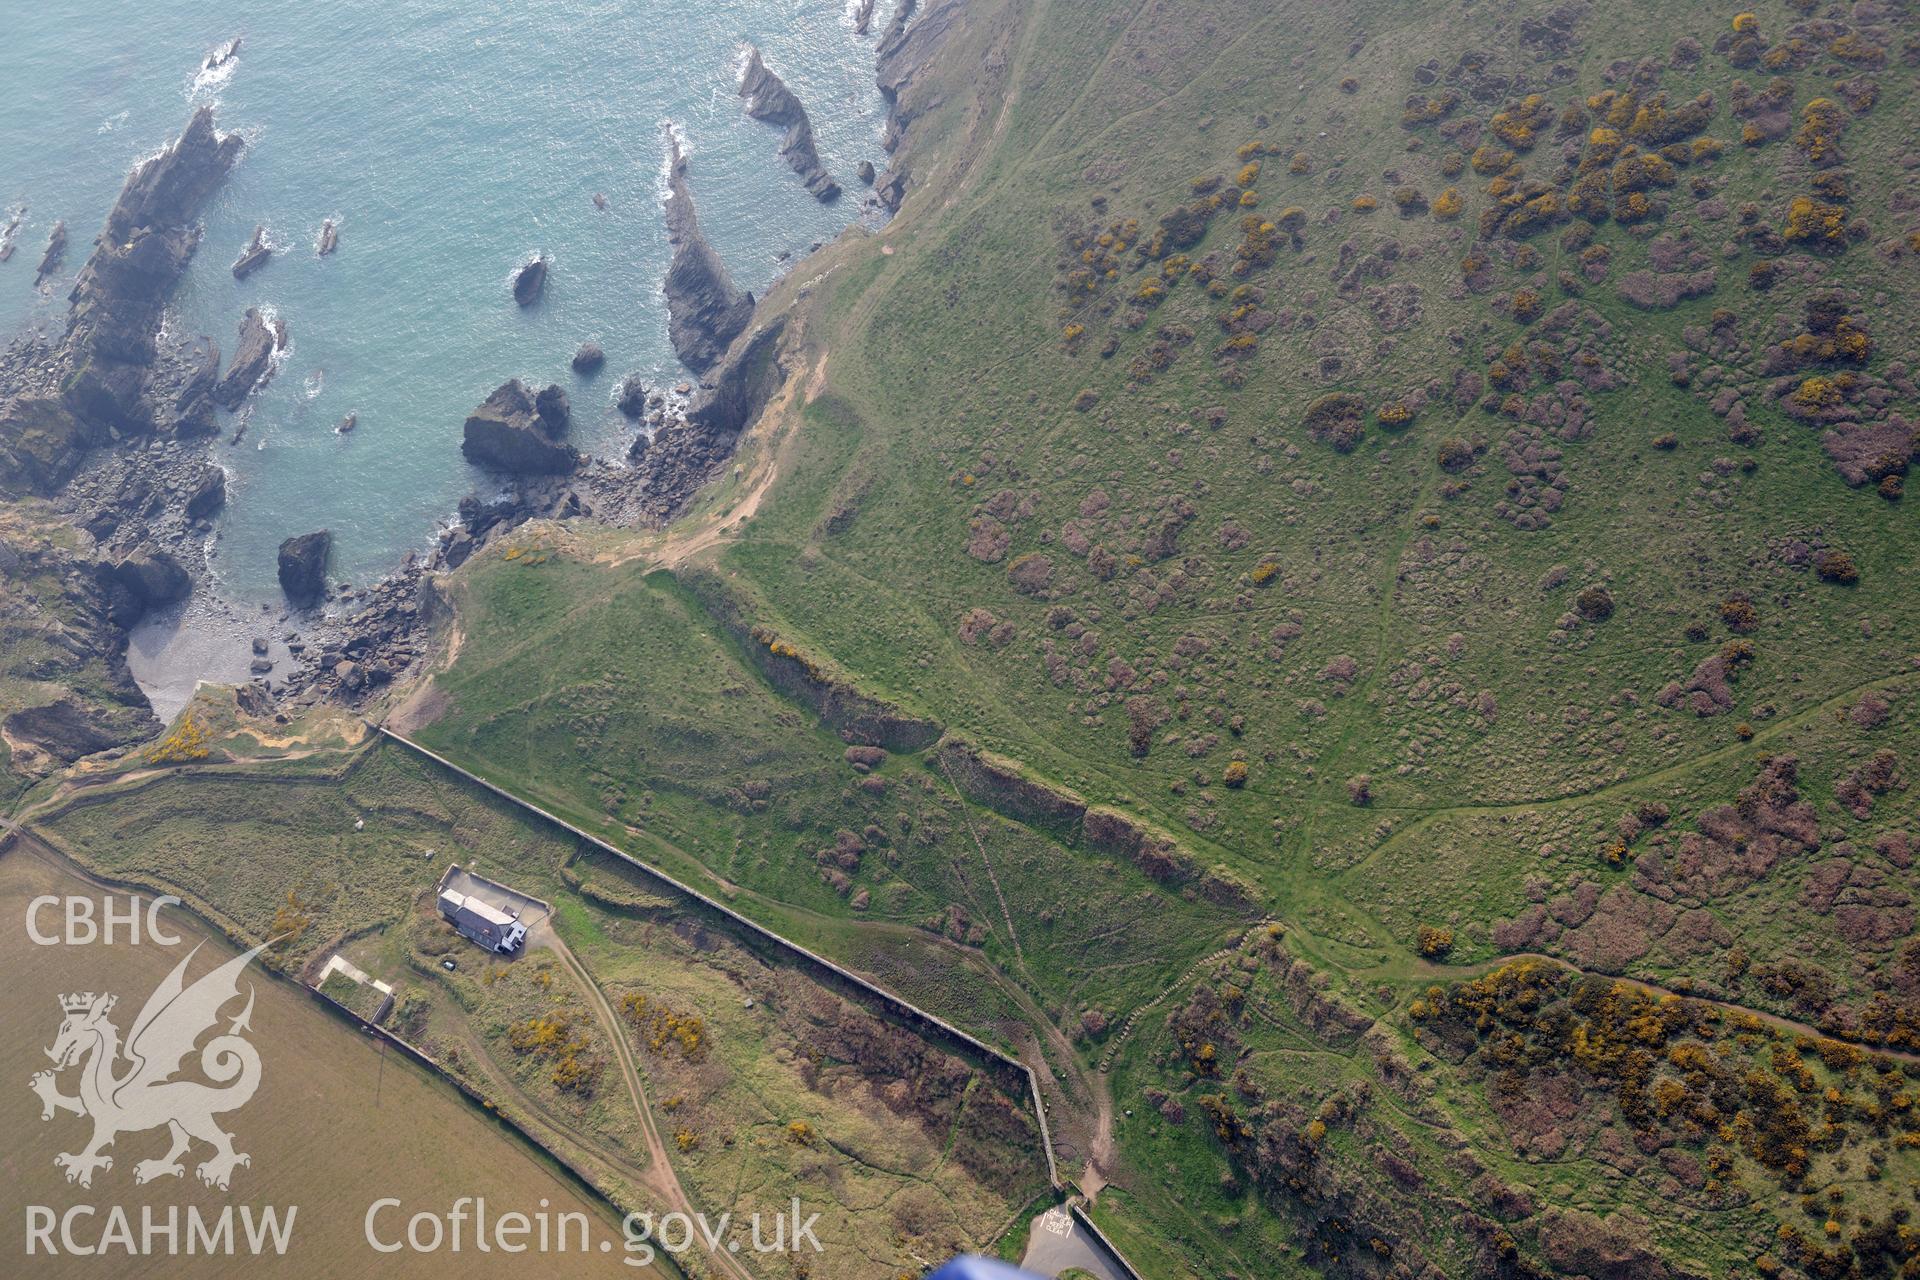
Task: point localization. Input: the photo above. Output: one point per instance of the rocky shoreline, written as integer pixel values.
(94, 420)
(106, 423)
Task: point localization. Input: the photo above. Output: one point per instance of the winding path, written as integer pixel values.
(658, 1176)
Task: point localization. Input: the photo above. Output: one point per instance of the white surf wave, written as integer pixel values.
(663, 174)
(216, 69)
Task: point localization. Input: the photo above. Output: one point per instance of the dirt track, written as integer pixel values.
(658, 1176)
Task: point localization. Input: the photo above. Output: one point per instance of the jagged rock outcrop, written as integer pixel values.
(143, 583)
(260, 337)
(329, 239)
(510, 432)
(201, 376)
(529, 282)
(139, 257)
(704, 310)
(554, 410)
(56, 253)
(588, 359)
(254, 256)
(684, 453)
(903, 11)
(40, 438)
(769, 98)
(892, 189)
(303, 567)
(58, 399)
(220, 55)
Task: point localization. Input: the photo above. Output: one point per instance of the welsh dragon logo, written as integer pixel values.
(143, 1093)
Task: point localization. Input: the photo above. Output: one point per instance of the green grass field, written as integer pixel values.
(1420, 569)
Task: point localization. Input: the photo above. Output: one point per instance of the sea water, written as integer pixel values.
(449, 141)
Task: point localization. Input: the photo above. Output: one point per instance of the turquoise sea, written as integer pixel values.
(450, 140)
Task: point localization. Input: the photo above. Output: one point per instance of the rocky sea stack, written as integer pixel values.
(704, 310)
(261, 336)
(515, 432)
(303, 567)
(254, 256)
(529, 282)
(769, 99)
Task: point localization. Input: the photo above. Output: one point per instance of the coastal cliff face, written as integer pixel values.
(769, 98)
(56, 400)
(907, 48)
(65, 691)
(704, 310)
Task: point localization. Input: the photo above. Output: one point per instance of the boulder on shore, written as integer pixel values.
(254, 256)
(208, 494)
(588, 359)
(529, 282)
(633, 396)
(260, 338)
(303, 567)
(704, 310)
(143, 583)
(769, 98)
(510, 433)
